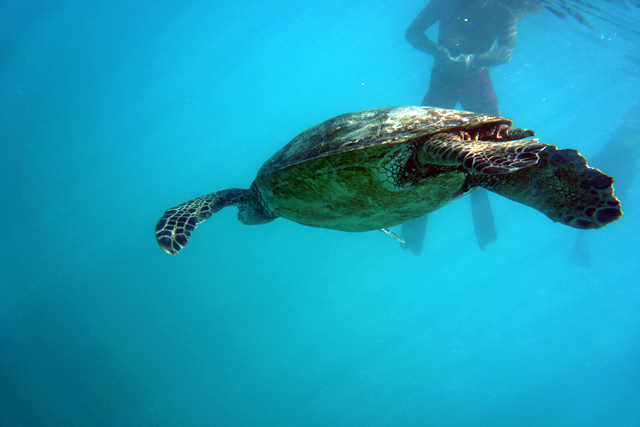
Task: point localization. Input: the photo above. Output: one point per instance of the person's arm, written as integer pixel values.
(415, 34)
(502, 53)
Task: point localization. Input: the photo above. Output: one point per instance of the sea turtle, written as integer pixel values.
(378, 168)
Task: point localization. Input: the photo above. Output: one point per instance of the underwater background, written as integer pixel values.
(113, 111)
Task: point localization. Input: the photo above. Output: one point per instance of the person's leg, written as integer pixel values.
(483, 221)
(442, 93)
(413, 233)
(478, 95)
(580, 252)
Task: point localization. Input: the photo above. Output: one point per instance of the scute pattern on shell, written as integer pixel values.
(365, 129)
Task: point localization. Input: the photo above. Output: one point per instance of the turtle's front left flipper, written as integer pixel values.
(479, 156)
(174, 229)
(561, 186)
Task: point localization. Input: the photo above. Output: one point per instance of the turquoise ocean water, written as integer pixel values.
(113, 111)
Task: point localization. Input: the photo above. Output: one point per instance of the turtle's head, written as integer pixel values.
(248, 215)
(252, 209)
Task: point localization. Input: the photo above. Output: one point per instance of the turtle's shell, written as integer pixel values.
(344, 173)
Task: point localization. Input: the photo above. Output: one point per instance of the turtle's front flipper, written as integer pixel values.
(176, 225)
(561, 186)
(478, 156)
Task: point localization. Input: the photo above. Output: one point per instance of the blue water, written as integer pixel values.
(114, 111)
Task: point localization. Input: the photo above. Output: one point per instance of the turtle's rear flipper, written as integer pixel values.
(561, 186)
(174, 229)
